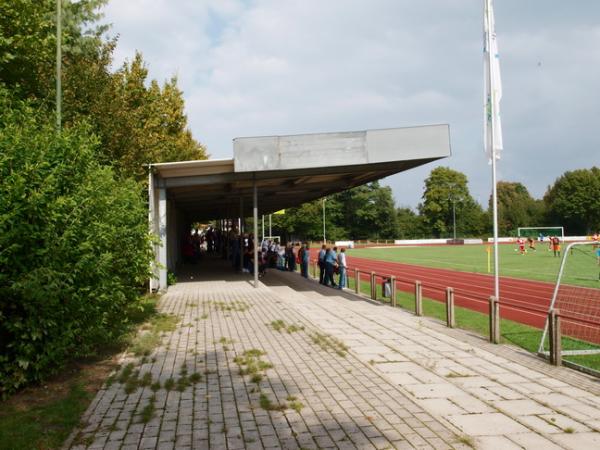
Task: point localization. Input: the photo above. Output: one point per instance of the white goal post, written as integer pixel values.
(579, 306)
(546, 231)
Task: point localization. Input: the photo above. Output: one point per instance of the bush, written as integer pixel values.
(74, 246)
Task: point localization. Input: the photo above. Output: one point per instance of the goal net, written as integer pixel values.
(577, 298)
(545, 232)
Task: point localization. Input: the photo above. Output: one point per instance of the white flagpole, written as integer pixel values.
(493, 113)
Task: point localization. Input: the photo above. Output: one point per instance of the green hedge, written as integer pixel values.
(74, 246)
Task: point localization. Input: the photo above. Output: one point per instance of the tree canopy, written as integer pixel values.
(74, 241)
(446, 189)
(574, 201)
(137, 120)
(516, 208)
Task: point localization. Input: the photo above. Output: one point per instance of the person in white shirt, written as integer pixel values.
(342, 266)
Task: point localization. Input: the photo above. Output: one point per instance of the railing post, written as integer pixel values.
(494, 320)
(393, 291)
(373, 287)
(356, 281)
(418, 298)
(555, 337)
(450, 322)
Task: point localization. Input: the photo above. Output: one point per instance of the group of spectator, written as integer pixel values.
(330, 263)
(194, 245)
(271, 254)
(282, 257)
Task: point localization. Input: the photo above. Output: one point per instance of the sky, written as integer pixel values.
(275, 67)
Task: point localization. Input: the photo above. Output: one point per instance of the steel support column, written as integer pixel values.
(255, 216)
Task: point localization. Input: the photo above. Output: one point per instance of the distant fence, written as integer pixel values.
(444, 241)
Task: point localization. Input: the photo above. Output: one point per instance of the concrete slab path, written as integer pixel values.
(297, 365)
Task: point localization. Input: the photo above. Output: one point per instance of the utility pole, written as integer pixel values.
(58, 64)
(454, 219)
(324, 240)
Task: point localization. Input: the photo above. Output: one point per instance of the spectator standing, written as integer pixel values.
(305, 260)
(330, 262)
(289, 256)
(321, 263)
(342, 267)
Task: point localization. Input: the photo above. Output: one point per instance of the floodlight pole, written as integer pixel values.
(454, 219)
(324, 241)
(58, 64)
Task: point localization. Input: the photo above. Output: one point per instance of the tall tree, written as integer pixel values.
(446, 190)
(28, 41)
(574, 201)
(410, 224)
(368, 212)
(136, 124)
(516, 208)
(137, 120)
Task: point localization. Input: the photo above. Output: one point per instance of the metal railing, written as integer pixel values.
(448, 295)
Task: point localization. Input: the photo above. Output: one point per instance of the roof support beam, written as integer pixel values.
(255, 216)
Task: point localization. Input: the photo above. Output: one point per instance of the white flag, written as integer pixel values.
(492, 84)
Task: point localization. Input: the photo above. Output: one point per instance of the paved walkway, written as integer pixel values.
(296, 365)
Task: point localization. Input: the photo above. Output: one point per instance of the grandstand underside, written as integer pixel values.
(271, 173)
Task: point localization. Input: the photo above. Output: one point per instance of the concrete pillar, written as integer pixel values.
(242, 233)
(162, 234)
(152, 284)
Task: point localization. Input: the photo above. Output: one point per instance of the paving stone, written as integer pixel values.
(402, 400)
(564, 422)
(441, 406)
(471, 404)
(495, 443)
(489, 424)
(434, 390)
(578, 440)
(521, 407)
(533, 440)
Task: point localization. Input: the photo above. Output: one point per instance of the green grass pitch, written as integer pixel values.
(582, 267)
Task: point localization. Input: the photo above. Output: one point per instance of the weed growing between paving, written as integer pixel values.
(148, 411)
(279, 325)
(131, 380)
(294, 403)
(234, 305)
(250, 363)
(467, 440)
(329, 344)
(150, 334)
(268, 405)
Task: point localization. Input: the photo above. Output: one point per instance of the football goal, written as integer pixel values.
(576, 297)
(545, 232)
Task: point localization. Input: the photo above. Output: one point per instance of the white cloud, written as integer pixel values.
(276, 66)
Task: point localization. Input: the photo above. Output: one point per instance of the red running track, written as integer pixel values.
(523, 301)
